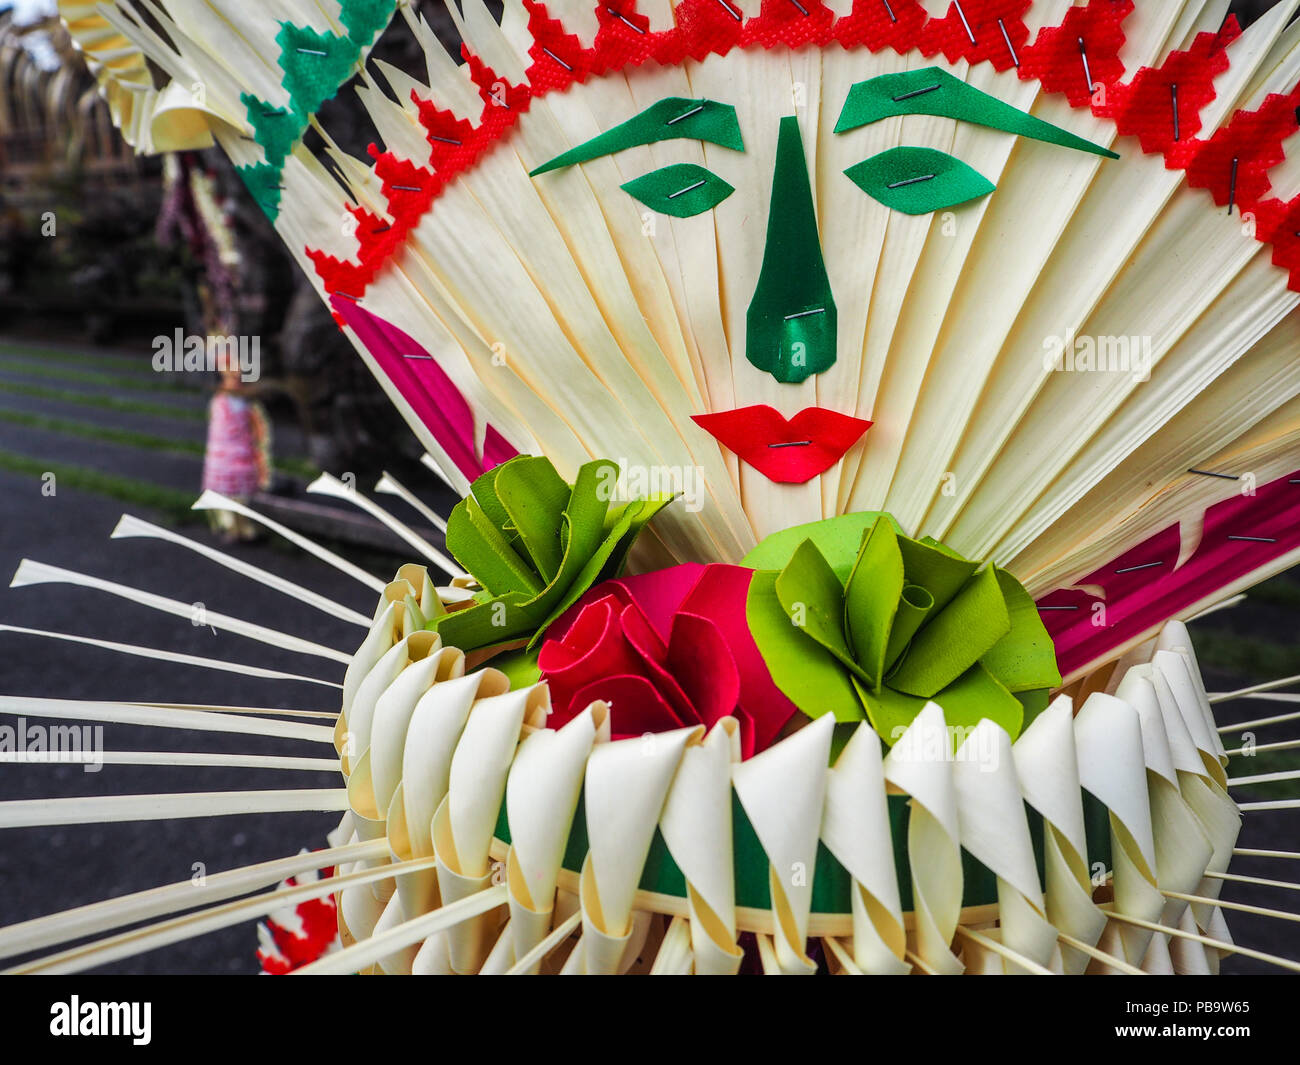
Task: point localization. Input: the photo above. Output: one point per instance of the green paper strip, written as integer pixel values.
(1097, 833)
(838, 539)
(1032, 703)
(572, 539)
(813, 599)
(673, 118)
(751, 861)
(535, 497)
(936, 568)
(809, 675)
(790, 324)
(872, 601)
(977, 879)
(832, 884)
(935, 91)
(918, 180)
(955, 639)
(915, 604)
(1025, 658)
(681, 190)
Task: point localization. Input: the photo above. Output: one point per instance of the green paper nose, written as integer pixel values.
(790, 325)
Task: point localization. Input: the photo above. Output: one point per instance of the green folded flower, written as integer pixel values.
(879, 632)
(535, 544)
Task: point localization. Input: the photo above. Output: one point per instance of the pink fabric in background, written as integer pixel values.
(234, 463)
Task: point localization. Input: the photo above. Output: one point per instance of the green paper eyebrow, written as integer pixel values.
(672, 118)
(933, 91)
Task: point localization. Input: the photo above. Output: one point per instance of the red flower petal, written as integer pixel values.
(703, 665)
(720, 595)
(593, 647)
(654, 663)
(635, 708)
(684, 655)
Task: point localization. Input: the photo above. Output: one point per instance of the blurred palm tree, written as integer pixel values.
(51, 112)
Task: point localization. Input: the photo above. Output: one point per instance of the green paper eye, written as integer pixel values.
(680, 190)
(918, 180)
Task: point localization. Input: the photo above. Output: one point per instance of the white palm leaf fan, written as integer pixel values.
(1042, 249)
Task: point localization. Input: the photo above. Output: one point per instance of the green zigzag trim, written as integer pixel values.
(276, 130)
(315, 66)
(365, 18)
(263, 181)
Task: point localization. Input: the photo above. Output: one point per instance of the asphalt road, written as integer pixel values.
(43, 870)
(46, 870)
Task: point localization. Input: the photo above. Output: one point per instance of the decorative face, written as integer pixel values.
(790, 323)
(706, 270)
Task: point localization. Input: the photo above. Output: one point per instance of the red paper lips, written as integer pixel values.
(665, 649)
(786, 451)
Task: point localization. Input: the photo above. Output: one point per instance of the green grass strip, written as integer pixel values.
(1246, 656)
(1282, 590)
(173, 504)
(131, 379)
(120, 403)
(85, 357)
(294, 467)
(107, 433)
(1260, 764)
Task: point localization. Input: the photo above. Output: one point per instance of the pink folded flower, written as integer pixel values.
(665, 649)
